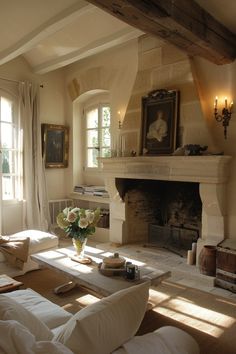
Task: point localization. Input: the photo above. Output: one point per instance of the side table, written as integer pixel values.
(8, 284)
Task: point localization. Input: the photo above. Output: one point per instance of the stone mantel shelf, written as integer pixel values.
(202, 169)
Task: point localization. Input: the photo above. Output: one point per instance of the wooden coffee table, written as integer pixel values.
(8, 284)
(88, 275)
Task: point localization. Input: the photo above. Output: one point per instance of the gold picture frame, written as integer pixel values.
(55, 145)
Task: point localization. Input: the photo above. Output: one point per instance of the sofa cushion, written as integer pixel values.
(46, 311)
(39, 240)
(159, 342)
(16, 339)
(11, 310)
(103, 326)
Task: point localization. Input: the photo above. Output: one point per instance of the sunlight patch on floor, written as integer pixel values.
(156, 297)
(188, 320)
(87, 300)
(202, 313)
(82, 301)
(185, 311)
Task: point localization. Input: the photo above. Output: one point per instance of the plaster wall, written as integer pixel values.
(213, 80)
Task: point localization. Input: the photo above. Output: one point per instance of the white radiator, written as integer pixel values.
(56, 206)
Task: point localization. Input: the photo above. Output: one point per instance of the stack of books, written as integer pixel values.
(91, 190)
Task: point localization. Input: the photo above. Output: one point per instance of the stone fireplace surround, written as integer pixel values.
(210, 171)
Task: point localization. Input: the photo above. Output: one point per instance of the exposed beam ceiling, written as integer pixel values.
(182, 22)
(44, 30)
(57, 33)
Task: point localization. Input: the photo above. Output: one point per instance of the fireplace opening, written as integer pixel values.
(164, 214)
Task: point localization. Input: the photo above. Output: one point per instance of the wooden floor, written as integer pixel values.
(210, 319)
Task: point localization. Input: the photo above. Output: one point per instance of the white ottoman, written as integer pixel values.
(39, 241)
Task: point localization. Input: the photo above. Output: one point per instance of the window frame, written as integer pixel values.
(17, 192)
(99, 106)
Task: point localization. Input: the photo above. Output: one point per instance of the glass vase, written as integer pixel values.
(79, 246)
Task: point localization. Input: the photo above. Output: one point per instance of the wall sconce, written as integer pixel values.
(225, 116)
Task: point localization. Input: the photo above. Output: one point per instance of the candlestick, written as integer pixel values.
(225, 102)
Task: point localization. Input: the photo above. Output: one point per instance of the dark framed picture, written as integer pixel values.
(55, 143)
(160, 110)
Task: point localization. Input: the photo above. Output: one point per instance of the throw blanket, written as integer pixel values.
(15, 250)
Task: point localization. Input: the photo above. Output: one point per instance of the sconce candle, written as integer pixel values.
(225, 116)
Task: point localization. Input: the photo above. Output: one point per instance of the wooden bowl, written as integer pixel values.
(114, 261)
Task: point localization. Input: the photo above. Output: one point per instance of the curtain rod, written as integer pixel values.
(17, 81)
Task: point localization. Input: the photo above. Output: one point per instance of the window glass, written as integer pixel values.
(92, 118)
(92, 138)
(106, 116)
(92, 155)
(11, 156)
(6, 110)
(6, 135)
(98, 138)
(8, 187)
(106, 138)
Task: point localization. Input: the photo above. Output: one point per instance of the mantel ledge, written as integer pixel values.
(202, 169)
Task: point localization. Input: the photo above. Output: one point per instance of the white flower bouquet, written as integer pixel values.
(78, 223)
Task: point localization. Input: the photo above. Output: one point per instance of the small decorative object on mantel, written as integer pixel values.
(78, 224)
(194, 149)
(190, 150)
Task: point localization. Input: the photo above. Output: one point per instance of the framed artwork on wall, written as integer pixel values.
(55, 144)
(160, 110)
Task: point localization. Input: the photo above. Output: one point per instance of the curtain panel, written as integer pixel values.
(36, 209)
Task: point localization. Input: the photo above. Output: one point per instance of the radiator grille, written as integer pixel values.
(56, 206)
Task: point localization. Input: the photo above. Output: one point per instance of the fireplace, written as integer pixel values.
(162, 213)
(209, 172)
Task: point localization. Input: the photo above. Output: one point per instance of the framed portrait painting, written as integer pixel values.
(55, 144)
(160, 110)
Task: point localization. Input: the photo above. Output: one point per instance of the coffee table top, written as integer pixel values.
(89, 276)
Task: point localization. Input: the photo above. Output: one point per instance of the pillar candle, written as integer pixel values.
(190, 258)
(194, 247)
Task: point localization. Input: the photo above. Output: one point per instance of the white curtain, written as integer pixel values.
(36, 208)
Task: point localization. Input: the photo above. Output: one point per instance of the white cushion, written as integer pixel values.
(16, 339)
(39, 240)
(104, 326)
(165, 340)
(11, 310)
(46, 311)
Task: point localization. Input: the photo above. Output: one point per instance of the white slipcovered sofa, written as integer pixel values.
(39, 241)
(29, 323)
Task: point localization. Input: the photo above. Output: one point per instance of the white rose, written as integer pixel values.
(83, 223)
(90, 216)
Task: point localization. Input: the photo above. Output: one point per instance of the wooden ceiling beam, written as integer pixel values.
(181, 22)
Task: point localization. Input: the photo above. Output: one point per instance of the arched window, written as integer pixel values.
(10, 147)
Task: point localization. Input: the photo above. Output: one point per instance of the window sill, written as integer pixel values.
(12, 202)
